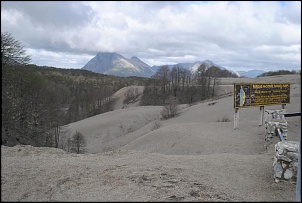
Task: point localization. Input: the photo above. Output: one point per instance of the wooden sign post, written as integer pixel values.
(261, 116)
(283, 107)
(236, 118)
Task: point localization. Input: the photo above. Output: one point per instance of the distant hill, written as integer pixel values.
(251, 73)
(111, 63)
(278, 72)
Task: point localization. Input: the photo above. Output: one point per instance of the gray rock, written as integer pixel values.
(291, 146)
(293, 164)
(288, 174)
(282, 157)
(275, 160)
(293, 156)
(280, 151)
(278, 170)
(286, 157)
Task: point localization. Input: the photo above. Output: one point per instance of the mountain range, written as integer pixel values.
(112, 63)
(251, 73)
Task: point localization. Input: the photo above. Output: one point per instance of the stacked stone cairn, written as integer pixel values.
(286, 161)
(275, 119)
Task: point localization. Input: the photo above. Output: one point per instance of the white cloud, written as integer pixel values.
(233, 34)
(66, 60)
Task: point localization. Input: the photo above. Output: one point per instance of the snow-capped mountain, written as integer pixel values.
(207, 63)
(193, 66)
(251, 73)
(115, 64)
(236, 73)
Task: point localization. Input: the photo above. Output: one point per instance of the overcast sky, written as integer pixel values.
(235, 35)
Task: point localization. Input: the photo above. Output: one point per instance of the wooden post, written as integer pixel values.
(236, 118)
(283, 107)
(261, 116)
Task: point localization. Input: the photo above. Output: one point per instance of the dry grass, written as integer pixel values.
(223, 119)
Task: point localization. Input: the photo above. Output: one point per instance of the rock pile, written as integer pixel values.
(274, 120)
(286, 161)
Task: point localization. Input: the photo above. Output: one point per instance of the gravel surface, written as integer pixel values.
(45, 174)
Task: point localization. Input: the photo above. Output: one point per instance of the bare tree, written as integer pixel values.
(79, 142)
(12, 52)
(131, 95)
(163, 75)
(171, 109)
(173, 78)
(202, 81)
(69, 143)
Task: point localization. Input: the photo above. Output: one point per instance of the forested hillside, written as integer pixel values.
(278, 72)
(36, 101)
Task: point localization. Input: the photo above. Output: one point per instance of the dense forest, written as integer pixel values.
(36, 101)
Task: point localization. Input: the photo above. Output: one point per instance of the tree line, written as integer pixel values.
(182, 84)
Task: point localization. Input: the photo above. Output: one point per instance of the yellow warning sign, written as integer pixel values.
(249, 95)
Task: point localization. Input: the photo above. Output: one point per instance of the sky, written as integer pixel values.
(238, 35)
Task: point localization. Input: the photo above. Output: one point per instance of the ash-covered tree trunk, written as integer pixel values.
(79, 142)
